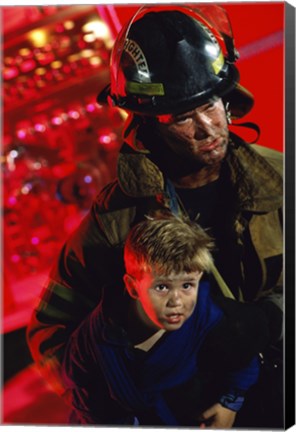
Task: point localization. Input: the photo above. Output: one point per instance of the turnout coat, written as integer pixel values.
(92, 259)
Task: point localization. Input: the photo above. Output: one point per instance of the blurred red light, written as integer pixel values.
(10, 73)
(12, 200)
(39, 127)
(45, 58)
(49, 76)
(59, 28)
(21, 134)
(90, 107)
(56, 121)
(73, 114)
(15, 258)
(104, 139)
(28, 65)
(66, 69)
(81, 44)
(35, 240)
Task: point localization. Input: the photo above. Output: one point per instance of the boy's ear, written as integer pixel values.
(130, 284)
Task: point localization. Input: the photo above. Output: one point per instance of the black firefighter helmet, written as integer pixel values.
(170, 59)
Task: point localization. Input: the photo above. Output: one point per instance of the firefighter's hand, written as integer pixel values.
(217, 417)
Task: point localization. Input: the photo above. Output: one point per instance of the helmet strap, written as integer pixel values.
(250, 125)
(228, 113)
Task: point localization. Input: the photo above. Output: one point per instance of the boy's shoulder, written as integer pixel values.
(207, 311)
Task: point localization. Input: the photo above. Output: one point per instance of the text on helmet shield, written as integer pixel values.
(133, 49)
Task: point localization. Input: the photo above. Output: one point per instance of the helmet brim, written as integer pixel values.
(240, 100)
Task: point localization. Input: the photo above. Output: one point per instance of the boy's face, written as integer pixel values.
(167, 301)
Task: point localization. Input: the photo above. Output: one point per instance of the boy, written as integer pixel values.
(163, 352)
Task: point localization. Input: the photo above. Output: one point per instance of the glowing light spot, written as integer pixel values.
(13, 154)
(26, 189)
(24, 52)
(38, 38)
(9, 73)
(105, 139)
(90, 37)
(87, 179)
(37, 165)
(86, 53)
(40, 71)
(12, 200)
(69, 25)
(56, 121)
(90, 107)
(109, 43)
(98, 27)
(21, 134)
(74, 57)
(56, 64)
(35, 240)
(95, 61)
(39, 127)
(74, 114)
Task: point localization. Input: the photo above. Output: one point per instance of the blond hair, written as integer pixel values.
(169, 245)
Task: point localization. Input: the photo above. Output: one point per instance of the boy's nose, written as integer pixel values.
(175, 299)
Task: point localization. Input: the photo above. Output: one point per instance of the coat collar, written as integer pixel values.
(259, 186)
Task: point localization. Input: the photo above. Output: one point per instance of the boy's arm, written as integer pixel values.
(237, 383)
(86, 371)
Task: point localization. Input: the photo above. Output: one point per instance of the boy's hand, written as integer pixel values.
(217, 417)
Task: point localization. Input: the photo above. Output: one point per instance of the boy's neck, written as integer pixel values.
(142, 332)
(148, 343)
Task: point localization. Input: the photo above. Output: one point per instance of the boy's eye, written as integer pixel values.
(161, 288)
(187, 285)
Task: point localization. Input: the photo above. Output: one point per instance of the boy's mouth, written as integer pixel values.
(174, 318)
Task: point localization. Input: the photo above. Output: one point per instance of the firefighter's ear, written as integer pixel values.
(131, 285)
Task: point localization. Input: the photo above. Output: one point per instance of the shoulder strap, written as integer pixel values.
(223, 286)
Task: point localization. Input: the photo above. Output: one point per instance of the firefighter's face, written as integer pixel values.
(200, 134)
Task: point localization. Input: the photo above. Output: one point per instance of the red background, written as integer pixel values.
(36, 223)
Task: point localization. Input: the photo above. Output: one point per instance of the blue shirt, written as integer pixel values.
(100, 350)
